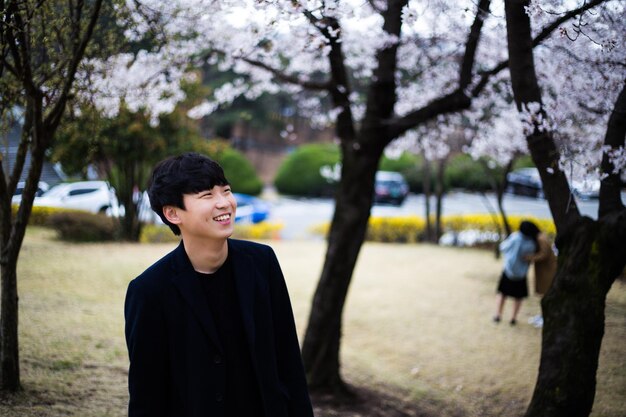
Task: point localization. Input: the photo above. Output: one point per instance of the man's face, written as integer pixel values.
(209, 214)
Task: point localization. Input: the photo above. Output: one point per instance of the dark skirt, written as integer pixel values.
(517, 288)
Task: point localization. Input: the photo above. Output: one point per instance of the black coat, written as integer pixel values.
(175, 355)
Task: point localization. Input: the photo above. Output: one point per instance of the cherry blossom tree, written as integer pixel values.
(382, 67)
(591, 252)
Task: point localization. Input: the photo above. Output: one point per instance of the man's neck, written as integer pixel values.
(206, 257)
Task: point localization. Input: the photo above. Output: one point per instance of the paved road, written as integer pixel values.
(299, 215)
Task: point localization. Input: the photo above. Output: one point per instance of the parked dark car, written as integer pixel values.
(390, 187)
(525, 181)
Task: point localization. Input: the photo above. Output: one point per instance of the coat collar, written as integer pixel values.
(184, 278)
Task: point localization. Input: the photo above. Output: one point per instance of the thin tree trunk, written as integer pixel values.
(439, 192)
(9, 347)
(429, 236)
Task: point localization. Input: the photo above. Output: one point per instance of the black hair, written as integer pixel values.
(529, 229)
(188, 173)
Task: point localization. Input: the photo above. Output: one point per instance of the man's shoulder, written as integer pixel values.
(156, 274)
(250, 248)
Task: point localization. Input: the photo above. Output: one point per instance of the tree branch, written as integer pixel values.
(291, 79)
(610, 187)
(545, 32)
(54, 117)
(469, 57)
(22, 150)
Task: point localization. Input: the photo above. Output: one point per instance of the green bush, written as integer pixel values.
(240, 172)
(300, 175)
(464, 172)
(84, 227)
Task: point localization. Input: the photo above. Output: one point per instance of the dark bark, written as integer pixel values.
(500, 188)
(320, 351)
(439, 193)
(429, 235)
(526, 90)
(360, 157)
(591, 256)
(39, 129)
(610, 188)
(591, 253)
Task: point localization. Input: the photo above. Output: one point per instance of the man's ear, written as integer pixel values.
(171, 214)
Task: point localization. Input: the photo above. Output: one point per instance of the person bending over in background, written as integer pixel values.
(209, 327)
(545, 264)
(513, 282)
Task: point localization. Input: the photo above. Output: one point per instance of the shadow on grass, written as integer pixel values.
(367, 402)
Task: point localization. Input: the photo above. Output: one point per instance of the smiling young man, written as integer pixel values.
(209, 327)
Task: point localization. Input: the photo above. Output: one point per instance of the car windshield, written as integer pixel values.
(57, 191)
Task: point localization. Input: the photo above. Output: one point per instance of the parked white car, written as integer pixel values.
(42, 187)
(92, 196)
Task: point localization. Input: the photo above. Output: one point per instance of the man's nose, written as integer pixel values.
(222, 201)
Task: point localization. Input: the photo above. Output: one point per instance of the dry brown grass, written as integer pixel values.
(416, 328)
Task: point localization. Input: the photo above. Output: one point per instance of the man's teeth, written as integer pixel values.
(222, 217)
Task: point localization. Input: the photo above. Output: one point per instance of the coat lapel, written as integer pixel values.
(186, 281)
(245, 275)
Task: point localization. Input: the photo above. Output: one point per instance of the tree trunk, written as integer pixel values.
(500, 186)
(573, 312)
(320, 351)
(429, 235)
(439, 192)
(9, 346)
(591, 253)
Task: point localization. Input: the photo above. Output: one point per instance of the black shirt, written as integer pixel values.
(242, 397)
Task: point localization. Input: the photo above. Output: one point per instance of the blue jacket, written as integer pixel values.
(175, 366)
(514, 248)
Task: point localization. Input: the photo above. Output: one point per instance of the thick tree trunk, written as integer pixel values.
(573, 311)
(360, 157)
(591, 254)
(320, 351)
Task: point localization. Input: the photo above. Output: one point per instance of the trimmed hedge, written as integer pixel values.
(239, 172)
(84, 227)
(299, 174)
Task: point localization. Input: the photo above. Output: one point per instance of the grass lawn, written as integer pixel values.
(417, 328)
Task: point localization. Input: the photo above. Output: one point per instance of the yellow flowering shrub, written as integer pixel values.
(411, 228)
(263, 230)
(395, 229)
(152, 233)
(157, 233)
(39, 215)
